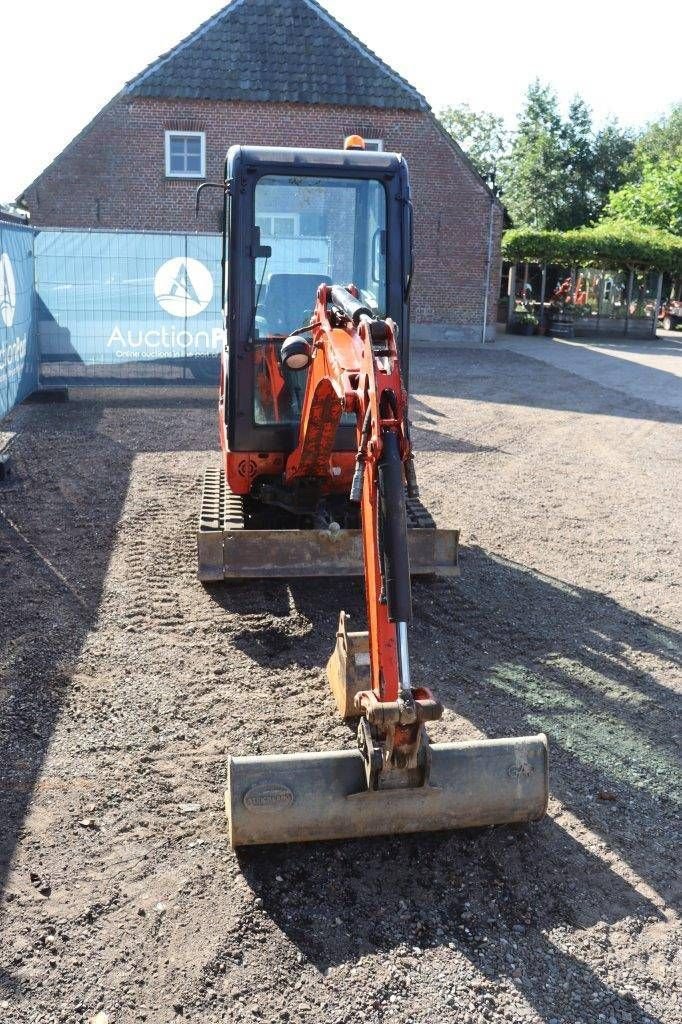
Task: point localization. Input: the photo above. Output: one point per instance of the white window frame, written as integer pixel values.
(295, 217)
(374, 145)
(184, 174)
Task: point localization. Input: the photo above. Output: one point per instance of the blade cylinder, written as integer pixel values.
(293, 798)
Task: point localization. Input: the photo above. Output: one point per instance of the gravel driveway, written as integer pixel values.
(123, 683)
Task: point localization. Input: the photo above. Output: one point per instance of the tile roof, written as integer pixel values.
(276, 51)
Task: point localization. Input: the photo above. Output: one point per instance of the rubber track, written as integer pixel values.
(223, 510)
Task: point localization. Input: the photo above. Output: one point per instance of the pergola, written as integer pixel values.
(611, 245)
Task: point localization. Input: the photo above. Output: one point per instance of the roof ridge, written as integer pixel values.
(365, 50)
(182, 45)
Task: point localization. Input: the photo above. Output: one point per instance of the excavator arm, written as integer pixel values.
(396, 781)
(355, 368)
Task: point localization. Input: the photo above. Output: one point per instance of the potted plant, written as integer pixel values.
(524, 323)
(561, 319)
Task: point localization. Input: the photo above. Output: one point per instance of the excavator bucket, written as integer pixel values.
(227, 550)
(293, 798)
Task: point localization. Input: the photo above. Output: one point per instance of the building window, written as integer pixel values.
(375, 144)
(278, 225)
(185, 154)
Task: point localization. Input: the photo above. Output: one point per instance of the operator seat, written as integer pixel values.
(287, 299)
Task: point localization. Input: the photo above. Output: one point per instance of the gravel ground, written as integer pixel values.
(123, 683)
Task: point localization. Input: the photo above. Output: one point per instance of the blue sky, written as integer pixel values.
(62, 62)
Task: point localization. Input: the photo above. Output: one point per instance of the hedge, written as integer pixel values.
(610, 245)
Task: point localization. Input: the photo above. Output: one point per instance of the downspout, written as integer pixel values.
(511, 295)
(488, 269)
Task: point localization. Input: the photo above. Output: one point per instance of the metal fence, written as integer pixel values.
(127, 307)
(18, 350)
(106, 307)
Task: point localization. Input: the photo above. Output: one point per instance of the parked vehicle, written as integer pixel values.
(671, 314)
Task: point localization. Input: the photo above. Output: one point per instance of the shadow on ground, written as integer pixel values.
(59, 516)
(427, 438)
(489, 897)
(514, 652)
(540, 384)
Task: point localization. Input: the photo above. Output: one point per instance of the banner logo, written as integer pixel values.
(183, 287)
(8, 291)
(12, 359)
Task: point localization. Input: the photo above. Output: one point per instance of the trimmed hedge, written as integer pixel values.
(610, 245)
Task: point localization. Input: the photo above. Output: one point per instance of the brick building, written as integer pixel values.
(277, 72)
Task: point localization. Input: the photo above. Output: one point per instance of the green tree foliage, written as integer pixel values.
(553, 172)
(652, 194)
(560, 172)
(661, 140)
(613, 147)
(533, 174)
(482, 136)
(576, 159)
(557, 173)
(611, 244)
(655, 200)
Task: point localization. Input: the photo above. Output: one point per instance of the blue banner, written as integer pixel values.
(110, 298)
(18, 353)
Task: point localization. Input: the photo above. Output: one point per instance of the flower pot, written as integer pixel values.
(561, 326)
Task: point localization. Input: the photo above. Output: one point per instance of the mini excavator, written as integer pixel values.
(318, 479)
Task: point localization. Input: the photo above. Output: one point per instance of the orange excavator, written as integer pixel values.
(318, 478)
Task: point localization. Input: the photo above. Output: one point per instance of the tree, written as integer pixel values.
(613, 147)
(659, 141)
(577, 165)
(556, 173)
(533, 177)
(482, 136)
(560, 172)
(655, 200)
(651, 194)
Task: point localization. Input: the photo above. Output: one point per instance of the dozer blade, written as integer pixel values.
(296, 798)
(229, 551)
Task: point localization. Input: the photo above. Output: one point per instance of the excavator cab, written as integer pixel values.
(295, 219)
(317, 478)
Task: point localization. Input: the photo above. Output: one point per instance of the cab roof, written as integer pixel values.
(285, 158)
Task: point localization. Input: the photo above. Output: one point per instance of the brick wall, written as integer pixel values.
(113, 176)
